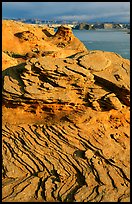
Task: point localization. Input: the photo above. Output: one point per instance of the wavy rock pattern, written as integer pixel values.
(66, 127)
(67, 161)
(50, 80)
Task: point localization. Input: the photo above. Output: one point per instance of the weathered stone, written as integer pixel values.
(96, 105)
(65, 120)
(113, 101)
(58, 76)
(95, 61)
(28, 67)
(32, 41)
(33, 60)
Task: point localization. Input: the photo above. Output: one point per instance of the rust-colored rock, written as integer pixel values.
(65, 120)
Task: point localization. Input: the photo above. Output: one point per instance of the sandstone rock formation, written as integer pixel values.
(66, 124)
(8, 61)
(22, 41)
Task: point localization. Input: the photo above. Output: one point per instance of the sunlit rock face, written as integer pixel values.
(23, 41)
(78, 79)
(65, 121)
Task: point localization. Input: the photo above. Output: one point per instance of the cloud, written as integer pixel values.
(66, 10)
(91, 11)
(112, 16)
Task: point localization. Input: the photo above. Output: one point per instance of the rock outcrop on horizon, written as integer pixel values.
(65, 119)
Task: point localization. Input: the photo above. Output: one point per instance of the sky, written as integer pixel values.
(82, 11)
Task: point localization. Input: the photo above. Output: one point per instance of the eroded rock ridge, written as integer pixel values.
(65, 121)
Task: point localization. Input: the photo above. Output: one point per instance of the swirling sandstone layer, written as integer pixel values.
(66, 125)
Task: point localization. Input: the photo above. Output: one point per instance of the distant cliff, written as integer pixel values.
(86, 26)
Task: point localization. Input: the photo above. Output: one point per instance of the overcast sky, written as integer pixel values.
(90, 11)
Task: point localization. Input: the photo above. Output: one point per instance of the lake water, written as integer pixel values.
(107, 40)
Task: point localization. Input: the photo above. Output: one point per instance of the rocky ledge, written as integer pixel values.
(66, 125)
(97, 79)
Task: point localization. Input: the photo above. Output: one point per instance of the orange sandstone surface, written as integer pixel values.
(65, 118)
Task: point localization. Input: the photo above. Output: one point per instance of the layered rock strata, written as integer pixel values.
(79, 80)
(66, 127)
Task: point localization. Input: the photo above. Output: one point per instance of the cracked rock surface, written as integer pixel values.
(66, 126)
